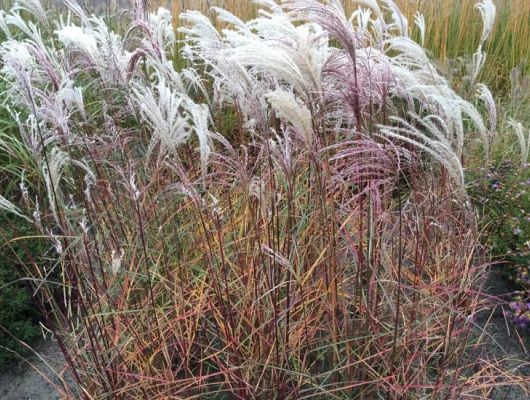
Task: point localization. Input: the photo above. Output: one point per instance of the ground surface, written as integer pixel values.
(25, 383)
(503, 342)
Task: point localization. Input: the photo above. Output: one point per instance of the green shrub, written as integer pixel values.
(18, 317)
(502, 192)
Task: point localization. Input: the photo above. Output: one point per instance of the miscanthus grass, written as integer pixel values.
(320, 244)
(450, 30)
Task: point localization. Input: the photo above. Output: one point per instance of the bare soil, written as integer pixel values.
(33, 379)
(503, 341)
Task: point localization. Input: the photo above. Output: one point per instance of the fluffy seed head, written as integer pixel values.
(488, 11)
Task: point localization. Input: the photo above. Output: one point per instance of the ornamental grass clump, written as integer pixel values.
(318, 245)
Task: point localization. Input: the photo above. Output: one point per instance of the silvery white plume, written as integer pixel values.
(17, 60)
(410, 54)
(57, 160)
(372, 4)
(306, 45)
(71, 97)
(102, 47)
(485, 95)
(236, 85)
(294, 112)
(34, 7)
(201, 34)
(277, 27)
(275, 61)
(74, 6)
(400, 22)
(311, 54)
(248, 61)
(479, 60)
(80, 38)
(446, 104)
(116, 260)
(269, 4)
(52, 170)
(419, 20)
(15, 19)
(164, 114)
(474, 116)
(113, 61)
(161, 29)
(30, 132)
(9, 207)
(200, 115)
(194, 80)
(154, 41)
(229, 18)
(488, 11)
(3, 25)
(524, 144)
(47, 65)
(362, 19)
(427, 134)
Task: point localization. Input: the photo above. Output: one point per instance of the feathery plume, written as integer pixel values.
(523, 143)
(161, 29)
(269, 4)
(200, 115)
(3, 25)
(9, 207)
(276, 61)
(75, 35)
(16, 19)
(163, 114)
(58, 159)
(419, 20)
(400, 23)
(488, 12)
(201, 31)
(258, 189)
(78, 10)
(287, 107)
(362, 17)
(479, 60)
(331, 17)
(116, 260)
(52, 172)
(372, 4)
(433, 141)
(485, 95)
(71, 96)
(34, 7)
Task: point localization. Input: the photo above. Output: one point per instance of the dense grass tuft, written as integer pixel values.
(273, 210)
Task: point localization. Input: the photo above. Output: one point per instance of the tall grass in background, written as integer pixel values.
(283, 217)
(453, 32)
